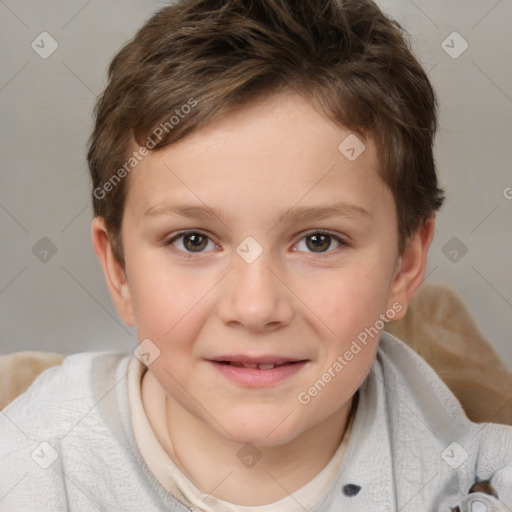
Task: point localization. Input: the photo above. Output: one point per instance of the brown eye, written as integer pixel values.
(191, 242)
(195, 242)
(319, 242)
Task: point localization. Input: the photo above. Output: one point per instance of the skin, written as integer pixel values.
(293, 300)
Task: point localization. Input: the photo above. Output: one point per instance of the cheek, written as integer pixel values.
(349, 300)
(342, 375)
(162, 295)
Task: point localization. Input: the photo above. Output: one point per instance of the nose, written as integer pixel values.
(255, 297)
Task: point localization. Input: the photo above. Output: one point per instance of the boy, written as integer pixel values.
(264, 192)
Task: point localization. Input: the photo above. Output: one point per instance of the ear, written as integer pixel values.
(411, 266)
(115, 275)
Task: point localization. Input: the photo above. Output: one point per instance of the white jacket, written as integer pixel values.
(67, 444)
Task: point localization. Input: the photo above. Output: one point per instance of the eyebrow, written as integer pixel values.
(294, 214)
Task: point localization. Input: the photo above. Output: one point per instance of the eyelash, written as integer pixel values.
(342, 242)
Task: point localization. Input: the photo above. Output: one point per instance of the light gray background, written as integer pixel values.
(63, 305)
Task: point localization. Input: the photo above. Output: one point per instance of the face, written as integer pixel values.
(256, 241)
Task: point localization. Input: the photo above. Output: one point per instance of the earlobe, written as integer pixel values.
(412, 264)
(115, 275)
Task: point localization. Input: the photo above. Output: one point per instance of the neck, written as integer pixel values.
(216, 465)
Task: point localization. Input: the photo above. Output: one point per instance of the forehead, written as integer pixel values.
(273, 153)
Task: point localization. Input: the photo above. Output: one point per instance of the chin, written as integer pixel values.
(262, 431)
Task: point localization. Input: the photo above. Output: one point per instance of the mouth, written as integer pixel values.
(257, 372)
(259, 366)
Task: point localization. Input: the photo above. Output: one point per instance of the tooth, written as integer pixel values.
(266, 366)
(250, 365)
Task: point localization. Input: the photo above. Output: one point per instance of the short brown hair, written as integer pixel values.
(352, 62)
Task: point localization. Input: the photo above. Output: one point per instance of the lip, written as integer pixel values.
(254, 377)
(263, 359)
